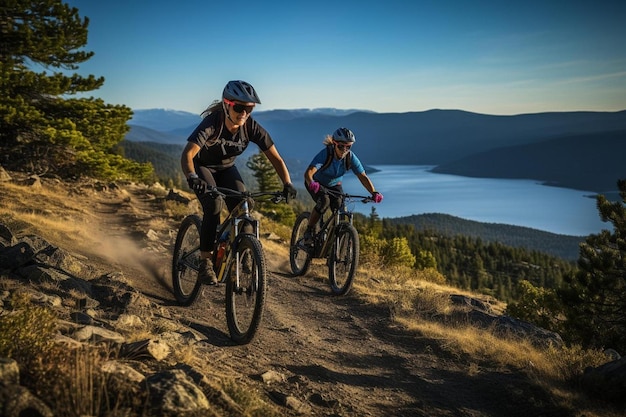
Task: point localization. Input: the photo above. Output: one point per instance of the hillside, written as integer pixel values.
(164, 157)
(561, 246)
(145, 134)
(592, 162)
(359, 355)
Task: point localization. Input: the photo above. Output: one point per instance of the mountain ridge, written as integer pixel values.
(454, 141)
(586, 162)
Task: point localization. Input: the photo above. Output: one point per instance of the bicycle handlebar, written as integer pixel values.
(364, 199)
(229, 192)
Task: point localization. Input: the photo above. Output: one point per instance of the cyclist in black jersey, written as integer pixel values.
(208, 159)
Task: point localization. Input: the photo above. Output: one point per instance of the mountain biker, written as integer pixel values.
(208, 160)
(327, 169)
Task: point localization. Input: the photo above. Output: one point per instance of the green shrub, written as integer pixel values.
(27, 331)
(389, 252)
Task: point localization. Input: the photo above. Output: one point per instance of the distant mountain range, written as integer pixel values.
(580, 150)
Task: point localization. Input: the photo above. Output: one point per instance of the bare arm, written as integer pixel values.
(308, 175)
(367, 183)
(279, 165)
(186, 159)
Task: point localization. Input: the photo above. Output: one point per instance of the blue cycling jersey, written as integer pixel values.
(333, 174)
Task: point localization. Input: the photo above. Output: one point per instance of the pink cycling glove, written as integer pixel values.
(378, 197)
(314, 186)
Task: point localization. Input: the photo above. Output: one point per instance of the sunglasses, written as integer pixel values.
(239, 108)
(343, 147)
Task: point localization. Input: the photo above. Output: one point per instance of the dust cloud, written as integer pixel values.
(127, 254)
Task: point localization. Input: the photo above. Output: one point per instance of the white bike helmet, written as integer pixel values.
(343, 135)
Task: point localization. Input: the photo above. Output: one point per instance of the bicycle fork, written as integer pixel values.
(231, 251)
(327, 240)
(333, 226)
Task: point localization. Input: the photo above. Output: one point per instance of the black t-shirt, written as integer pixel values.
(219, 147)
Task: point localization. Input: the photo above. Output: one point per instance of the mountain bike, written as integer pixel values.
(335, 239)
(238, 260)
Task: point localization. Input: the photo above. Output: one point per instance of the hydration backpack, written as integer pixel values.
(329, 158)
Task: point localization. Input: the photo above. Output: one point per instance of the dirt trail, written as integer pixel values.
(338, 356)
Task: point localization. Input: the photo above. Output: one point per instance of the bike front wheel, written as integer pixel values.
(246, 285)
(299, 254)
(343, 259)
(186, 260)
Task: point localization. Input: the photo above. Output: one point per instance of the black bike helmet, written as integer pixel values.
(343, 135)
(240, 91)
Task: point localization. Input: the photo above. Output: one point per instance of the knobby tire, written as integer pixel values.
(343, 259)
(245, 301)
(299, 257)
(186, 260)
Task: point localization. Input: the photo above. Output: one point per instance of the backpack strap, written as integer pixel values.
(347, 160)
(329, 157)
(244, 132)
(212, 136)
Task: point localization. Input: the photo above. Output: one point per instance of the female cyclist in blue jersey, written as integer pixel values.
(327, 170)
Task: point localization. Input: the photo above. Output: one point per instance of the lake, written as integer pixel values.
(411, 189)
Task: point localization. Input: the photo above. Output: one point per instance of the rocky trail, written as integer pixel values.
(338, 356)
(315, 354)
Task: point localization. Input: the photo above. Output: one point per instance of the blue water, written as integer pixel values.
(411, 189)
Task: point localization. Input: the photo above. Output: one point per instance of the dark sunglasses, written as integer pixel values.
(239, 107)
(343, 147)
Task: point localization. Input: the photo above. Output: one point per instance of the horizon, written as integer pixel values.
(483, 57)
(409, 111)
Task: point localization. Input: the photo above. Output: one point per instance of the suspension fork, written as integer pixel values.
(330, 229)
(234, 253)
(342, 219)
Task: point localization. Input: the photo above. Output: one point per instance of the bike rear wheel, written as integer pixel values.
(246, 286)
(299, 255)
(186, 260)
(343, 259)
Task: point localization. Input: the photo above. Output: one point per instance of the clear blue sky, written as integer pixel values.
(493, 57)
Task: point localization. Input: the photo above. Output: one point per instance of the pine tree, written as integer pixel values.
(43, 129)
(268, 180)
(595, 296)
(264, 172)
(375, 223)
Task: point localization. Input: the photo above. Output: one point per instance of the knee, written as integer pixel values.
(210, 205)
(322, 204)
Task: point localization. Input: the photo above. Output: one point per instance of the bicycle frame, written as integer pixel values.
(326, 235)
(328, 227)
(240, 214)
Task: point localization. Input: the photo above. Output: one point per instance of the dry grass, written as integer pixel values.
(59, 216)
(176, 210)
(269, 226)
(249, 400)
(43, 211)
(74, 382)
(70, 380)
(421, 306)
